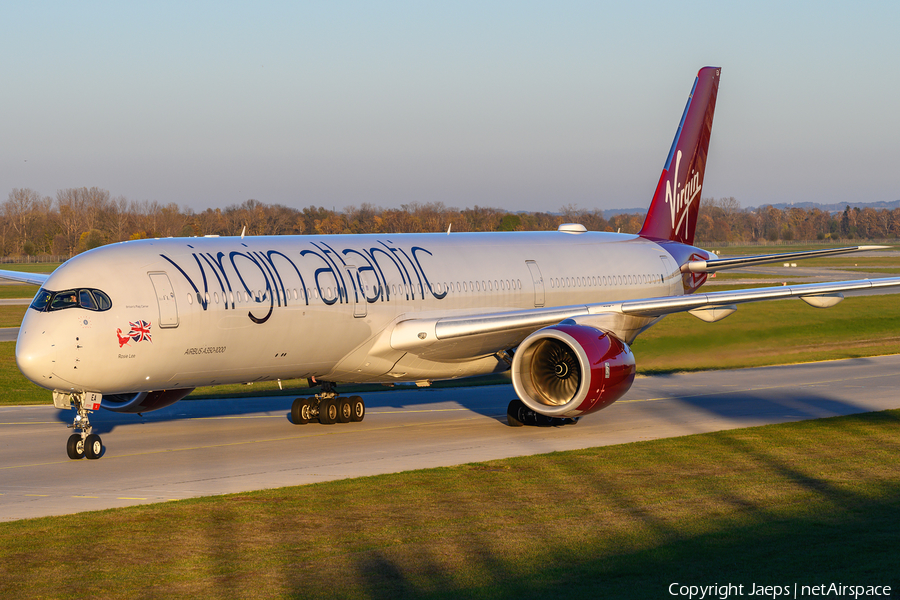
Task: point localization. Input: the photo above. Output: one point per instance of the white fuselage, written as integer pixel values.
(189, 312)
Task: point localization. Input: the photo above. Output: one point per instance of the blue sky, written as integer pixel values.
(517, 105)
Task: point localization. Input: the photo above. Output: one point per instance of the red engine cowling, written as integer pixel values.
(141, 402)
(570, 370)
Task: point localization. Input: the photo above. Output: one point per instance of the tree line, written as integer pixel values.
(78, 219)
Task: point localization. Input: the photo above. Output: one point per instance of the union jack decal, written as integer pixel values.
(140, 331)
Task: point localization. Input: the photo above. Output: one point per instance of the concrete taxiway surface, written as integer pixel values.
(207, 447)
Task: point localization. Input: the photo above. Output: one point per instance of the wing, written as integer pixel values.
(452, 336)
(32, 278)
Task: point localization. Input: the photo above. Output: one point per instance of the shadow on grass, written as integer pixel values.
(833, 531)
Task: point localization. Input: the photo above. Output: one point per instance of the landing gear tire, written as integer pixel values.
(516, 413)
(328, 411)
(300, 411)
(93, 447)
(75, 446)
(359, 409)
(345, 410)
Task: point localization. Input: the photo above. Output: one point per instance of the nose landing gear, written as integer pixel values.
(84, 444)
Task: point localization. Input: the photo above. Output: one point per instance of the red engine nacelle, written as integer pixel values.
(570, 370)
(141, 402)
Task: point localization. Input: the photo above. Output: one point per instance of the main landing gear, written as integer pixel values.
(84, 444)
(517, 415)
(328, 408)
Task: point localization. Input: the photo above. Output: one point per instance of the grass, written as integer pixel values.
(849, 261)
(879, 270)
(723, 276)
(811, 502)
(767, 333)
(11, 316)
(18, 290)
(30, 267)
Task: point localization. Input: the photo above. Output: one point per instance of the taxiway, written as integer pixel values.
(208, 447)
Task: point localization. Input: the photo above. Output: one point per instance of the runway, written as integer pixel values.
(207, 447)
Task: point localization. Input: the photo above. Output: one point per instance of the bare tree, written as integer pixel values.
(19, 209)
(70, 215)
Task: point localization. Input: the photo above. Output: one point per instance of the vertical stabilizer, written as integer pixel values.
(673, 212)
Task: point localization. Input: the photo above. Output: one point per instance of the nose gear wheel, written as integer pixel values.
(84, 444)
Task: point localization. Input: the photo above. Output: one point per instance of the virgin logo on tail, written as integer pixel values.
(680, 200)
(673, 211)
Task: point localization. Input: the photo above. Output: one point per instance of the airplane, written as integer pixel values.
(136, 326)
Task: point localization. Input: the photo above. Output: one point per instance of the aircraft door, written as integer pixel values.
(165, 299)
(668, 269)
(357, 295)
(538, 281)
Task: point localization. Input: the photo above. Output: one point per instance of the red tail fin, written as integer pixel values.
(673, 212)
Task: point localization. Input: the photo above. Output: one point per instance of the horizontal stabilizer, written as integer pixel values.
(674, 304)
(719, 264)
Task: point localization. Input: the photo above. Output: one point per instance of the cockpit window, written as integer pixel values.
(86, 300)
(103, 301)
(41, 300)
(89, 299)
(61, 300)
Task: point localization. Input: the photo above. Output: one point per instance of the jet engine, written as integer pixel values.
(569, 370)
(141, 402)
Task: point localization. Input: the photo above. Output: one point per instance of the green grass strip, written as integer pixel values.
(812, 502)
(18, 290)
(769, 333)
(30, 267)
(11, 315)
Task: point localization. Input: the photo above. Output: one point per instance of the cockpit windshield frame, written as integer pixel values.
(85, 298)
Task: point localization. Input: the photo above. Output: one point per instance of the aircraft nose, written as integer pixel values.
(36, 354)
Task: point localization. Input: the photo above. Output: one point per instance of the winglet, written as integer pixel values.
(673, 212)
